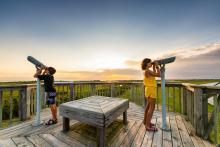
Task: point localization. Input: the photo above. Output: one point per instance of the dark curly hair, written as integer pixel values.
(51, 70)
(144, 63)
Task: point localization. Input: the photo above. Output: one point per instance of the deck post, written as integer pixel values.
(0, 108)
(125, 118)
(37, 121)
(163, 89)
(71, 91)
(93, 89)
(66, 124)
(200, 112)
(184, 101)
(24, 102)
(101, 136)
(112, 90)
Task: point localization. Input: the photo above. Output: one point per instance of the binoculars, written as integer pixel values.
(165, 61)
(37, 63)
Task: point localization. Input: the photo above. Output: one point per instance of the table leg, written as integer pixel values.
(66, 124)
(125, 118)
(101, 137)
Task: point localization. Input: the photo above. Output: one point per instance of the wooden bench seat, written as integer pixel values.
(98, 111)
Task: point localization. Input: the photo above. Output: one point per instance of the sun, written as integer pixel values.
(109, 60)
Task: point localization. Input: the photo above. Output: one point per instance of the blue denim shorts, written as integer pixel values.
(50, 98)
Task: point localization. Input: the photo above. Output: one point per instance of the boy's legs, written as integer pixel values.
(53, 108)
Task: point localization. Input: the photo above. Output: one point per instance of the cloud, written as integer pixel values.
(194, 63)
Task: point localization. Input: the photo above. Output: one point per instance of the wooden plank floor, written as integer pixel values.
(81, 135)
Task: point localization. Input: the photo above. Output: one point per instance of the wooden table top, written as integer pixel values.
(99, 105)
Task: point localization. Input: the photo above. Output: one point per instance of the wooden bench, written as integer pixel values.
(97, 111)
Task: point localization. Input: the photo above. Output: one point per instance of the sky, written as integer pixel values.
(107, 40)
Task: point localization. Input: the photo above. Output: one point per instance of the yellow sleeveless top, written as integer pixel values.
(150, 81)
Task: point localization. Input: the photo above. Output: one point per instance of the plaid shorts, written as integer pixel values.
(50, 98)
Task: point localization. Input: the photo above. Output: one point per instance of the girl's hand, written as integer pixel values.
(156, 64)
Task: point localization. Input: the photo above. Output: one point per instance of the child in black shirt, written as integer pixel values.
(50, 91)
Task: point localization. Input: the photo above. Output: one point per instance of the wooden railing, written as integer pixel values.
(187, 99)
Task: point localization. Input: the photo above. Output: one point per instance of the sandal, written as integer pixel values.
(151, 124)
(51, 122)
(152, 129)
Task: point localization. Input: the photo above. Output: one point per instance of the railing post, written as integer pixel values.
(112, 89)
(143, 100)
(11, 106)
(216, 113)
(132, 92)
(93, 88)
(0, 109)
(72, 91)
(184, 101)
(200, 111)
(24, 105)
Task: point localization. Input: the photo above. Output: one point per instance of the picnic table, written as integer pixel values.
(97, 111)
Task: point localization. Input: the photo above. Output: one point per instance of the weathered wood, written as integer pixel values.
(174, 100)
(168, 98)
(22, 141)
(52, 140)
(132, 95)
(139, 137)
(131, 134)
(24, 104)
(67, 139)
(148, 138)
(125, 118)
(0, 109)
(200, 112)
(101, 137)
(192, 133)
(176, 139)
(66, 124)
(10, 106)
(183, 133)
(91, 111)
(38, 141)
(83, 135)
(93, 89)
(216, 114)
(184, 101)
(167, 140)
(7, 143)
(157, 139)
(110, 118)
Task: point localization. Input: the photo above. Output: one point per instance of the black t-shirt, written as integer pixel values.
(48, 82)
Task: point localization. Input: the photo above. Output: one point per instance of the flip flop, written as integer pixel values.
(51, 122)
(152, 129)
(152, 124)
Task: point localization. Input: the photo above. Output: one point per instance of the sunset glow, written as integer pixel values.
(108, 40)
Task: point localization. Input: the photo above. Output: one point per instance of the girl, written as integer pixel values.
(150, 91)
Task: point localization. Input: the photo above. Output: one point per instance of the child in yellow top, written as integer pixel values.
(150, 91)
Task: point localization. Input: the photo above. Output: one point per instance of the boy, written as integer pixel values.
(50, 91)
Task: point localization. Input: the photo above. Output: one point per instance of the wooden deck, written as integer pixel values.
(80, 134)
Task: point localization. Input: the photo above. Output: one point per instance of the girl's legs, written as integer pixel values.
(151, 111)
(145, 112)
(150, 114)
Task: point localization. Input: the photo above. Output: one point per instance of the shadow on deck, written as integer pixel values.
(80, 134)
